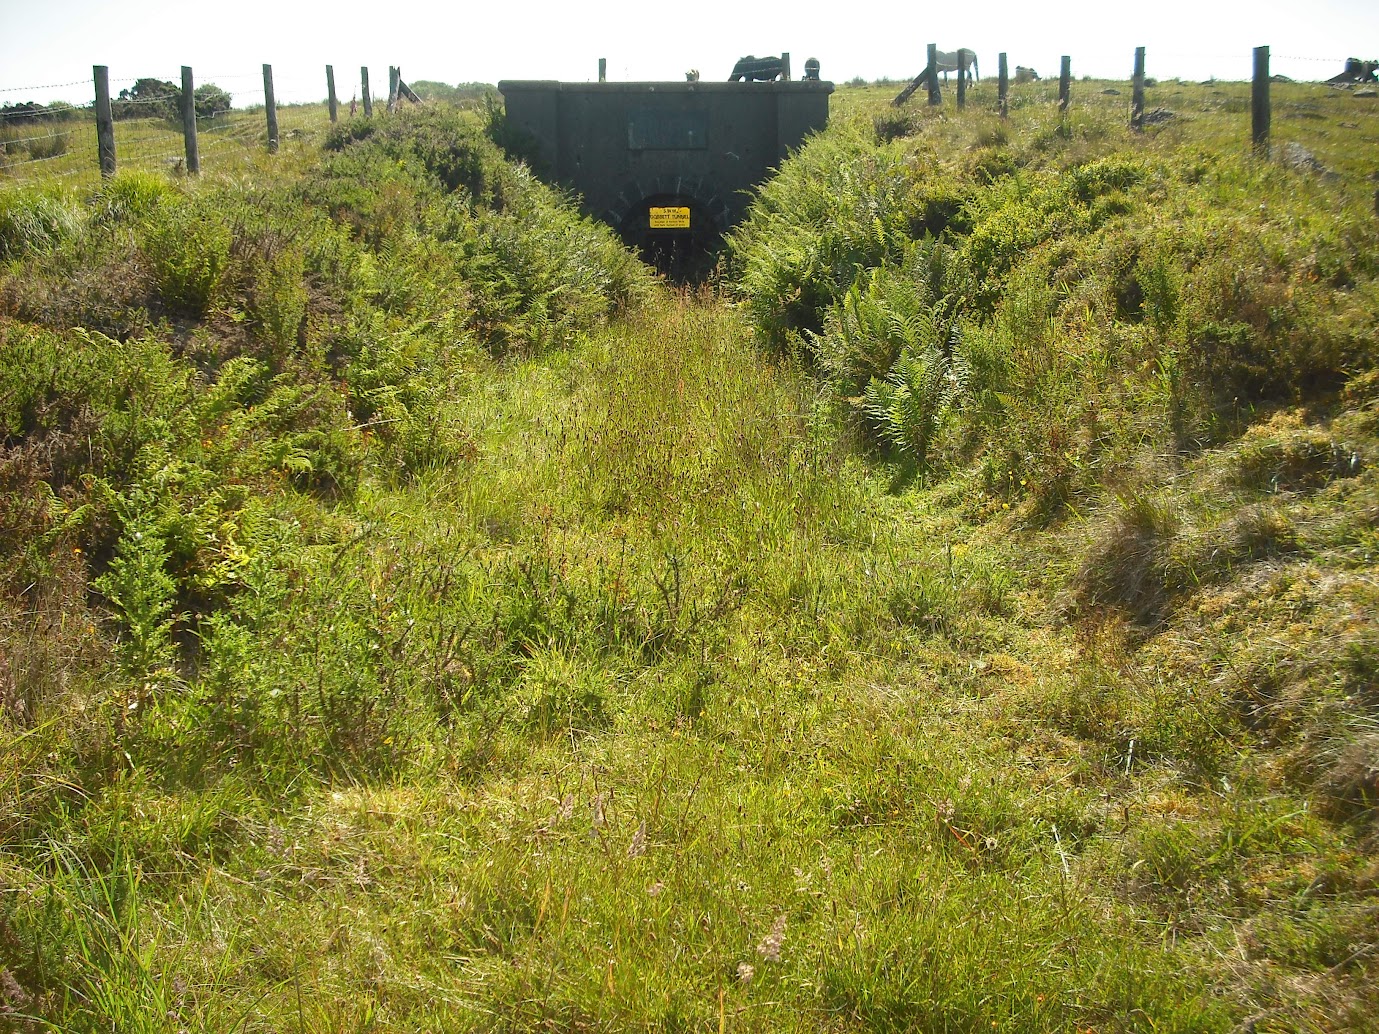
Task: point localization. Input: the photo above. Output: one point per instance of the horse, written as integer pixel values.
(950, 61)
(1025, 75)
(756, 69)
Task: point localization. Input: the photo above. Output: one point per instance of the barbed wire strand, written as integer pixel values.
(1314, 60)
(49, 86)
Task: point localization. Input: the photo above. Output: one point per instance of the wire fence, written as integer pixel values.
(59, 141)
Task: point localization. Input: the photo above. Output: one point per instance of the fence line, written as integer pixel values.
(63, 140)
(1259, 103)
(37, 89)
(56, 140)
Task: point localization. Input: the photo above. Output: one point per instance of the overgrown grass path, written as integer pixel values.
(735, 736)
(414, 617)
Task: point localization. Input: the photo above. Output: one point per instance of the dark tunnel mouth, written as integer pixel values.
(681, 254)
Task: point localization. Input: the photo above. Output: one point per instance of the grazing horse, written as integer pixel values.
(950, 60)
(756, 69)
(1025, 75)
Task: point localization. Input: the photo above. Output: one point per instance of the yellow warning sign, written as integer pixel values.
(669, 218)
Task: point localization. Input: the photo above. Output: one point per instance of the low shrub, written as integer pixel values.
(187, 248)
(894, 123)
(50, 146)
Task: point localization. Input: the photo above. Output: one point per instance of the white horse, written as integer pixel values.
(949, 61)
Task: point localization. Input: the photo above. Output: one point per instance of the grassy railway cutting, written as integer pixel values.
(958, 614)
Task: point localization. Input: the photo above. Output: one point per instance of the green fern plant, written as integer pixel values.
(188, 252)
(918, 396)
(277, 301)
(878, 319)
(142, 592)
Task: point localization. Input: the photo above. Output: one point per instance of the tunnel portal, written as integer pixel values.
(668, 165)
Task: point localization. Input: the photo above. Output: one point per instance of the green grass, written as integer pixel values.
(761, 731)
(414, 619)
(233, 141)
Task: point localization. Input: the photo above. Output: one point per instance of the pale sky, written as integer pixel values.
(48, 42)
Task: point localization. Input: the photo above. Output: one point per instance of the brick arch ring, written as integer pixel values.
(695, 188)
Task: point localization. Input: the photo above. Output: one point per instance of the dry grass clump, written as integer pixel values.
(1286, 455)
(1349, 784)
(1129, 565)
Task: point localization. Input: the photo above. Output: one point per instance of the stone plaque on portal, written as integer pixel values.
(667, 131)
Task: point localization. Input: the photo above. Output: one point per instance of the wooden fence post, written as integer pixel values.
(934, 96)
(368, 98)
(330, 92)
(1259, 103)
(1065, 75)
(962, 78)
(785, 66)
(603, 70)
(1003, 85)
(1137, 93)
(394, 76)
(189, 122)
(270, 108)
(105, 121)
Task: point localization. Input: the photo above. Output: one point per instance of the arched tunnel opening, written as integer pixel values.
(666, 164)
(675, 233)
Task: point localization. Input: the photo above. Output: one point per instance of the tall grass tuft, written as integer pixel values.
(34, 220)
